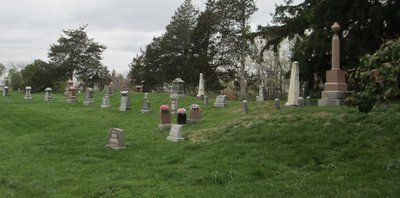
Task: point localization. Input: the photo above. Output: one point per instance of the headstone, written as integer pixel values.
(70, 83)
(301, 102)
(178, 88)
(201, 92)
(28, 95)
(145, 106)
(174, 105)
(308, 101)
(72, 95)
(110, 90)
(260, 96)
(165, 117)
(116, 139)
(195, 114)
(6, 91)
(245, 107)
(220, 101)
(181, 116)
(89, 100)
(335, 88)
(125, 101)
(96, 87)
(146, 96)
(294, 86)
(175, 133)
(48, 96)
(205, 100)
(105, 102)
(277, 104)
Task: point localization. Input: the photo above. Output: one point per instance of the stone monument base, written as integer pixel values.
(87, 103)
(332, 98)
(200, 97)
(164, 126)
(194, 120)
(115, 147)
(105, 106)
(220, 105)
(259, 98)
(145, 110)
(28, 98)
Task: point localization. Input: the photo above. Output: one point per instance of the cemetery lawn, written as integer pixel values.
(56, 149)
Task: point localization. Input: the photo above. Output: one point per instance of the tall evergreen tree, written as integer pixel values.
(232, 35)
(365, 24)
(167, 57)
(76, 54)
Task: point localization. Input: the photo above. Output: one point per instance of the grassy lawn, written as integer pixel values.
(57, 149)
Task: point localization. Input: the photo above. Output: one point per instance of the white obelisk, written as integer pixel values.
(294, 86)
(200, 92)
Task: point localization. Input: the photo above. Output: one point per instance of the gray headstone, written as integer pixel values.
(174, 105)
(145, 107)
(125, 101)
(89, 97)
(308, 101)
(205, 100)
(301, 102)
(245, 107)
(175, 133)
(178, 88)
(6, 91)
(277, 104)
(48, 95)
(106, 102)
(220, 101)
(116, 139)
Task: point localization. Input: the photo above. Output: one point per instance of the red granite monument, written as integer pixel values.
(335, 87)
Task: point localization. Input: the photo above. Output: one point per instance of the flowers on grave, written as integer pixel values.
(164, 108)
(194, 107)
(181, 111)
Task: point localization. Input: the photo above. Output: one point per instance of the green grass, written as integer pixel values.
(56, 149)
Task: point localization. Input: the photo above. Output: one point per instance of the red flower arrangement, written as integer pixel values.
(182, 111)
(164, 108)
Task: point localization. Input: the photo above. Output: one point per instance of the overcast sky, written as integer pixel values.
(28, 27)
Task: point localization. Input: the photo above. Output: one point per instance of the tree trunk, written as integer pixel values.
(242, 76)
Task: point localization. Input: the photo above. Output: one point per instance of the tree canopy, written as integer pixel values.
(75, 54)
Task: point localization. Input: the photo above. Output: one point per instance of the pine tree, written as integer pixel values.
(76, 54)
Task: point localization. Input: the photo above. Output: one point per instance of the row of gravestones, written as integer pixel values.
(116, 135)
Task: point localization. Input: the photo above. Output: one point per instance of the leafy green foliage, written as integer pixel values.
(40, 75)
(76, 54)
(16, 79)
(167, 56)
(377, 76)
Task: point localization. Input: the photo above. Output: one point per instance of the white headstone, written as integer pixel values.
(201, 92)
(106, 102)
(89, 100)
(28, 95)
(175, 133)
(260, 96)
(48, 95)
(220, 101)
(294, 86)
